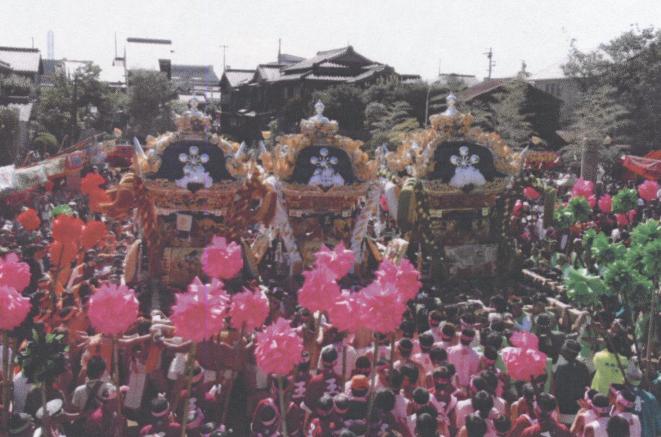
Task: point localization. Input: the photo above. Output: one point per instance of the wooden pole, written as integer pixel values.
(5, 379)
(370, 404)
(230, 384)
(189, 384)
(283, 409)
(651, 331)
(115, 376)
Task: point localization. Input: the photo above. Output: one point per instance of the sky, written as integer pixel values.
(413, 36)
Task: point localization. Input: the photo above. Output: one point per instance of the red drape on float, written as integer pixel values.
(648, 166)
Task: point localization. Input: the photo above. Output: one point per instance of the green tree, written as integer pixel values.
(8, 132)
(77, 103)
(345, 104)
(629, 67)
(150, 102)
(508, 112)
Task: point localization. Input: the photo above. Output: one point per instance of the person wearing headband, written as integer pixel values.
(266, 419)
(447, 337)
(546, 423)
(443, 399)
(346, 353)
(325, 382)
(465, 359)
(105, 421)
(585, 414)
(162, 419)
(435, 320)
(625, 402)
(602, 409)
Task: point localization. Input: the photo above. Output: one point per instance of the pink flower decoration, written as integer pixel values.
(648, 190)
(339, 260)
(13, 308)
(525, 340)
(222, 260)
(383, 202)
(319, 291)
(592, 200)
(621, 219)
(278, 348)
(606, 203)
(343, 312)
(631, 215)
(524, 364)
(518, 207)
(250, 308)
(198, 314)
(113, 309)
(14, 273)
(215, 288)
(404, 277)
(531, 194)
(383, 307)
(583, 188)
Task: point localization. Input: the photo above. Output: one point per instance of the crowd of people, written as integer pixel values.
(441, 374)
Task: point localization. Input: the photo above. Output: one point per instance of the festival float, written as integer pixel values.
(187, 186)
(453, 206)
(325, 191)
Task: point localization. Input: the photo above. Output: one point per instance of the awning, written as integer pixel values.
(648, 166)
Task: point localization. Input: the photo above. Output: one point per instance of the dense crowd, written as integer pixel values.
(443, 372)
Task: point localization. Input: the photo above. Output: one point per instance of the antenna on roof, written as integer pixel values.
(489, 55)
(50, 40)
(32, 41)
(279, 50)
(115, 45)
(224, 47)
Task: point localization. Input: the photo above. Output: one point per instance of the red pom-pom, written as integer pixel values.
(93, 232)
(67, 229)
(29, 220)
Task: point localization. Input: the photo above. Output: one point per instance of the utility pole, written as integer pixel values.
(224, 47)
(489, 55)
(279, 50)
(439, 67)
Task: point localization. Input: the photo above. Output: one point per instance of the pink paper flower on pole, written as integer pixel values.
(648, 190)
(344, 312)
(524, 364)
(215, 288)
(222, 260)
(383, 307)
(278, 348)
(198, 315)
(338, 260)
(113, 309)
(319, 291)
(14, 308)
(14, 273)
(404, 277)
(583, 188)
(249, 308)
(525, 340)
(606, 203)
(531, 194)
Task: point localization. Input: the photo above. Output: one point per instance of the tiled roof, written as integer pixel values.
(326, 55)
(194, 73)
(284, 58)
(23, 60)
(238, 77)
(481, 88)
(269, 72)
(4, 65)
(149, 40)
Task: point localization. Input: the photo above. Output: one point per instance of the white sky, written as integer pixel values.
(410, 35)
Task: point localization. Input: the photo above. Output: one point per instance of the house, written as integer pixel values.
(457, 80)
(271, 85)
(543, 108)
(195, 80)
(24, 62)
(567, 89)
(148, 54)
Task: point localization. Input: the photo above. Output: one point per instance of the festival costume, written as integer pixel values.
(466, 362)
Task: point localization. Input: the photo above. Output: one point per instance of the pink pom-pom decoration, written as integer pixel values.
(198, 314)
(222, 260)
(404, 277)
(621, 219)
(592, 201)
(648, 190)
(278, 348)
(524, 364)
(525, 340)
(531, 194)
(383, 307)
(249, 308)
(606, 203)
(344, 312)
(518, 207)
(319, 291)
(215, 288)
(583, 188)
(338, 260)
(113, 309)
(14, 273)
(14, 308)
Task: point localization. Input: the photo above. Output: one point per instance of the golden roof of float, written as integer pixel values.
(192, 125)
(416, 154)
(317, 130)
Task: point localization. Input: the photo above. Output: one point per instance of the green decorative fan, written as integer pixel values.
(646, 232)
(563, 217)
(604, 252)
(582, 287)
(580, 207)
(620, 277)
(44, 357)
(652, 259)
(625, 200)
(61, 209)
